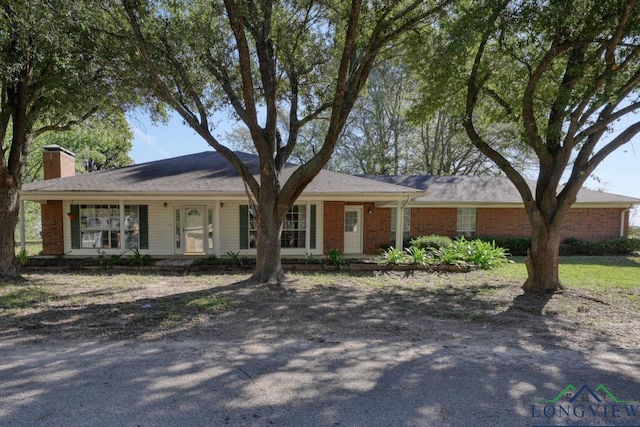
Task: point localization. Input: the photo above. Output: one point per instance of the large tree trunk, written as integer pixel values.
(9, 204)
(268, 261)
(542, 259)
(270, 211)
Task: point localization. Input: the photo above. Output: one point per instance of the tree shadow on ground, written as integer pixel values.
(327, 355)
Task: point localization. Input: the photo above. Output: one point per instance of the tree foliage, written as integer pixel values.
(260, 60)
(564, 73)
(101, 142)
(51, 78)
(388, 134)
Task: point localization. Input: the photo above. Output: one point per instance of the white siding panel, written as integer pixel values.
(161, 228)
(230, 228)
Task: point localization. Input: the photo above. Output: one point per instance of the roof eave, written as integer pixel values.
(210, 195)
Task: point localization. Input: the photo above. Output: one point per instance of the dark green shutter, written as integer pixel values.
(244, 226)
(144, 226)
(312, 227)
(75, 226)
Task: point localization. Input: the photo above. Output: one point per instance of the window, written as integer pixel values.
(467, 222)
(102, 227)
(406, 225)
(132, 226)
(351, 221)
(294, 229)
(253, 229)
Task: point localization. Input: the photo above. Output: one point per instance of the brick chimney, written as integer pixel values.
(57, 162)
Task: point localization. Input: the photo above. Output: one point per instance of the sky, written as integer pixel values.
(618, 174)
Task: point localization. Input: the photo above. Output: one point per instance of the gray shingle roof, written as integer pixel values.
(483, 189)
(204, 172)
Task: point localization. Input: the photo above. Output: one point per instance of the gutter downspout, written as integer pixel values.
(623, 215)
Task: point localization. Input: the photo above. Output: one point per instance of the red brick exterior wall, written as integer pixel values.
(502, 222)
(376, 227)
(439, 221)
(52, 228)
(333, 226)
(57, 163)
(592, 224)
(605, 224)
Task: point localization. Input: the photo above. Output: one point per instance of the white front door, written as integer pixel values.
(194, 236)
(353, 229)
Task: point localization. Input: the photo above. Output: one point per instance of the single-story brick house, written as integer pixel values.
(197, 205)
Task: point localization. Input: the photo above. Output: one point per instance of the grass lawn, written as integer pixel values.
(603, 294)
(598, 273)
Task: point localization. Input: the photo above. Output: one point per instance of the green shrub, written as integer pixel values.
(617, 246)
(419, 256)
(394, 256)
(335, 258)
(516, 246)
(234, 258)
(452, 254)
(486, 255)
(573, 246)
(22, 257)
(431, 242)
(406, 243)
(309, 258)
(115, 259)
(209, 260)
(138, 259)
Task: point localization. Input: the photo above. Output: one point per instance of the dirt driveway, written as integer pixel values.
(384, 352)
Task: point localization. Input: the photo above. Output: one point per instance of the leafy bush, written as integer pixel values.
(452, 255)
(486, 255)
(22, 257)
(617, 246)
(335, 258)
(516, 246)
(116, 259)
(138, 259)
(309, 258)
(573, 246)
(432, 242)
(394, 256)
(234, 257)
(442, 250)
(406, 243)
(420, 256)
(210, 260)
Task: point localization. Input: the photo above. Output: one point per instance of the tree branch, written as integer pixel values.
(164, 93)
(473, 89)
(67, 126)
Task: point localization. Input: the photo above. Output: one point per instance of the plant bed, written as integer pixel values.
(39, 264)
